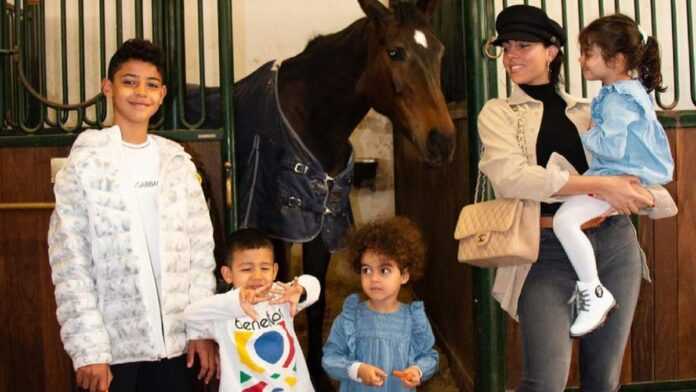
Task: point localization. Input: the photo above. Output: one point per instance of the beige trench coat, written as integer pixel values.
(516, 175)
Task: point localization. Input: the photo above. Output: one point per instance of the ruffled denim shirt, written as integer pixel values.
(626, 137)
(390, 341)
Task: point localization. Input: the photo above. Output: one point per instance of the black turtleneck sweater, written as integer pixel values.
(557, 133)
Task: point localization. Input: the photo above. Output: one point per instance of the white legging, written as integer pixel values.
(575, 211)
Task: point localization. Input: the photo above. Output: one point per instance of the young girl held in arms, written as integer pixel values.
(625, 139)
(382, 342)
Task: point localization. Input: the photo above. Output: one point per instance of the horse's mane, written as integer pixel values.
(404, 12)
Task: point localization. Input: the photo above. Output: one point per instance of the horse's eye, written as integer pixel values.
(396, 53)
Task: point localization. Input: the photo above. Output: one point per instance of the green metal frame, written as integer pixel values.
(660, 386)
(479, 21)
(490, 323)
(34, 128)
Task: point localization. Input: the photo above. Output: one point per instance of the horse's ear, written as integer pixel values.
(374, 9)
(427, 7)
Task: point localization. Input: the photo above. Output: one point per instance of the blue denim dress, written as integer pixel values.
(627, 138)
(390, 341)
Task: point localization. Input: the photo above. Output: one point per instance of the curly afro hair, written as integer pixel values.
(397, 238)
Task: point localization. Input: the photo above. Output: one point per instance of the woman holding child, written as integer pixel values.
(537, 294)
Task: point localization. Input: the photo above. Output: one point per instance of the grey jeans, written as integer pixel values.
(545, 315)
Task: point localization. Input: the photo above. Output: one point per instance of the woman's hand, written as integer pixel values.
(623, 193)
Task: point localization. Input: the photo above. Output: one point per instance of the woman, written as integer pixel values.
(552, 121)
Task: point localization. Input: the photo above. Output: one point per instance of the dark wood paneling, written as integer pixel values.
(686, 273)
(208, 159)
(662, 345)
(31, 353)
(643, 329)
(665, 273)
(35, 356)
(432, 197)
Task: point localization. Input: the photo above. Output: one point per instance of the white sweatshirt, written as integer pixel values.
(260, 355)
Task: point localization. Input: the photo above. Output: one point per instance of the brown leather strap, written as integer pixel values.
(546, 222)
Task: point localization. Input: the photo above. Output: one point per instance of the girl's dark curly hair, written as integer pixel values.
(618, 33)
(397, 238)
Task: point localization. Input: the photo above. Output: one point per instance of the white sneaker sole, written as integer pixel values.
(600, 324)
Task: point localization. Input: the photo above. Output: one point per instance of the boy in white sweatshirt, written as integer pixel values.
(253, 322)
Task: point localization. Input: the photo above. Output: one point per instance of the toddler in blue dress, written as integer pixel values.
(382, 344)
(625, 138)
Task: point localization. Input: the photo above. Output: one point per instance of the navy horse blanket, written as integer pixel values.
(282, 188)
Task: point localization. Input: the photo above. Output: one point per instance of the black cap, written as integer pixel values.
(527, 23)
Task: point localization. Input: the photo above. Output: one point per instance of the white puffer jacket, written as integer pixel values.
(104, 287)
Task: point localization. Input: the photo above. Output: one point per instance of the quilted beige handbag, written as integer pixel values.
(500, 232)
(494, 234)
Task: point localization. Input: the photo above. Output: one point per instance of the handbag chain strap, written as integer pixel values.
(484, 190)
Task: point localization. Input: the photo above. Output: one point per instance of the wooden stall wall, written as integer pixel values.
(432, 197)
(32, 358)
(662, 345)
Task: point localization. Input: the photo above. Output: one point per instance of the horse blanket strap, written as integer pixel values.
(283, 189)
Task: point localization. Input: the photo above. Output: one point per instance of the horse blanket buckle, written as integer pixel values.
(300, 168)
(294, 202)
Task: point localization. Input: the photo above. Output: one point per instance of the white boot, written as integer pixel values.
(593, 303)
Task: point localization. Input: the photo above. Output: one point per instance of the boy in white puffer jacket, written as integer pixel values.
(131, 243)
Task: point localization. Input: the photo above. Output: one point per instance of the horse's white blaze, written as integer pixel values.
(420, 39)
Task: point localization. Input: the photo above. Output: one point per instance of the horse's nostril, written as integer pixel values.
(439, 146)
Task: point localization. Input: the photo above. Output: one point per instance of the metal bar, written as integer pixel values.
(508, 81)
(4, 44)
(201, 71)
(601, 8)
(81, 48)
(52, 137)
(43, 89)
(62, 116)
(101, 109)
(636, 10)
(119, 23)
(139, 18)
(566, 63)
(659, 386)
(27, 206)
(23, 27)
(169, 44)
(675, 54)
(226, 78)
(617, 6)
(581, 23)
(690, 30)
(158, 37)
(490, 375)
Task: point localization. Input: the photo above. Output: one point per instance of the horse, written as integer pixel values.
(294, 182)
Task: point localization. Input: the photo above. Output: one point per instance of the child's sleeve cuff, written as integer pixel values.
(353, 372)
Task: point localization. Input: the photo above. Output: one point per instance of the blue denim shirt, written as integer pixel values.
(626, 137)
(390, 341)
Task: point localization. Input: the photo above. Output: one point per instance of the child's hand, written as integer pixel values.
(371, 375)
(248, 297)
(288, 293)
(410, 377)
(94, 378)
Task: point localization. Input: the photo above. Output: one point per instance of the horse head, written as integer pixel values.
(402, 76)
